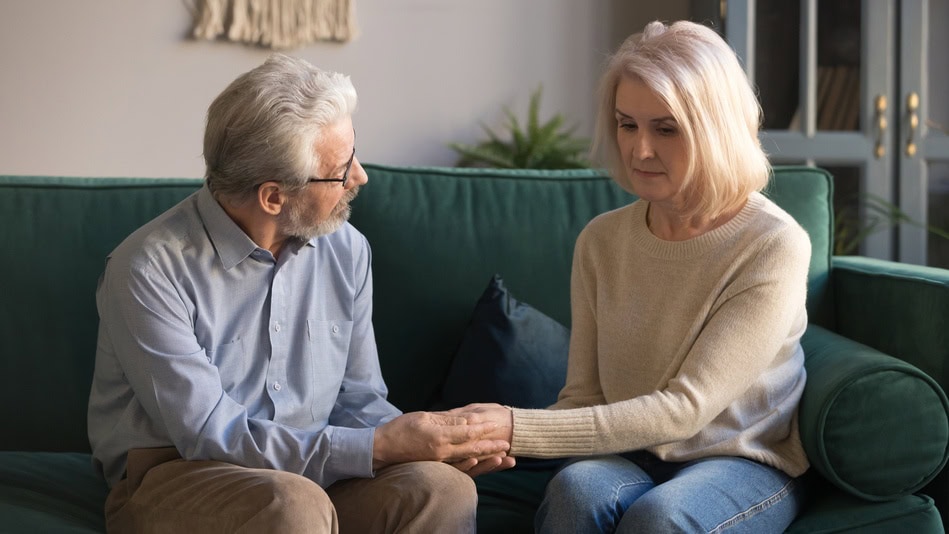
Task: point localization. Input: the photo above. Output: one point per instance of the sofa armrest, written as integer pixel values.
(896, 308)
(875, 426)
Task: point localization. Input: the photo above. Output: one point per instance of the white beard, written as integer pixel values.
(296, 219)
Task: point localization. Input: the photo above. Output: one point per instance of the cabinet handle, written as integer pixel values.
(880, 151)
(912, 105)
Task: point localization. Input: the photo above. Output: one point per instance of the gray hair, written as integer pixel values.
(698, 76)
(265, 124)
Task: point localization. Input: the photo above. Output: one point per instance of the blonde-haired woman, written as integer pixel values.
(685, 368)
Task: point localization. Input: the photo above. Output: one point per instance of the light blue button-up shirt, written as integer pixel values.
(209, 344)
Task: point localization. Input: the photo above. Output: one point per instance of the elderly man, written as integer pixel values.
(237, 385)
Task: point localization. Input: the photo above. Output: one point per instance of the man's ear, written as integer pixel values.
(271, 197)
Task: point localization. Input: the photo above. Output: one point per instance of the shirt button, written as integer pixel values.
(276, 386)
(335, 328)
(276, 327)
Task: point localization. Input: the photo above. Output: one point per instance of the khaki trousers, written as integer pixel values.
(164, 494)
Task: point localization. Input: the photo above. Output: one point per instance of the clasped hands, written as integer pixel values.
(475, 438)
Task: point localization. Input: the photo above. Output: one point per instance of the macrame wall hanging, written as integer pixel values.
(276, 24)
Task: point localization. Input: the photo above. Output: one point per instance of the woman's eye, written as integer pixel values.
(627, 126)
(666, 131)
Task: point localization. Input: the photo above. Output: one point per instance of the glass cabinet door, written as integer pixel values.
(777, 41)
(826, 94)
(923, 145)
(858, 87)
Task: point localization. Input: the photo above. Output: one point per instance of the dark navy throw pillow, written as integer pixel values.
(510, 354)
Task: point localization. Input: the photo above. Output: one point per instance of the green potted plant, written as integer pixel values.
(535, 146)
(880, 215)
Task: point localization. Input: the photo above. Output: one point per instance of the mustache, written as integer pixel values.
(349, 196)
(344, 203)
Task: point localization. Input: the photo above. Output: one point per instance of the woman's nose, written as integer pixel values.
(642, 147)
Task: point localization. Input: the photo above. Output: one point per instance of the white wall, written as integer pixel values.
(116, 88)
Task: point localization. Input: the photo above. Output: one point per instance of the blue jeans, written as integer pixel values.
(637, 492)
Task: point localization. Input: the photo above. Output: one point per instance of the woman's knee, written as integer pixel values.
(598, 479)
(590, 495)
(571, 485)
(652, 512)
(705, 511)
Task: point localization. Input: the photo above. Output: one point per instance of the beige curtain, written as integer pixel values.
(277, 24)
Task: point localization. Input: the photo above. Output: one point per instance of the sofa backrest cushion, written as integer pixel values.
(437, 236)
(54, 236)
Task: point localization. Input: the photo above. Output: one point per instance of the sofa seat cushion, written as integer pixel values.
(853, 395)
(507, 500)
(50, 492)
(834, 510)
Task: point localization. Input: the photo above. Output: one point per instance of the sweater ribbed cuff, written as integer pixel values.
(552, 433)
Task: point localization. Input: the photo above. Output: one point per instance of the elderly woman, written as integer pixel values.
(685, 367)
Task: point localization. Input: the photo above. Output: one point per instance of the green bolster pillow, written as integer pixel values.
(875, 426)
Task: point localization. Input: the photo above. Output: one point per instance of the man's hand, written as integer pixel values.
(479, 466)
(440, 437)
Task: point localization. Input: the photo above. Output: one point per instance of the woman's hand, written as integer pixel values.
(492, 416)
(498, 415)
(439, 436)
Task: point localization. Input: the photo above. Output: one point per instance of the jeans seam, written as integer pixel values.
(623, 486)
(750, 512)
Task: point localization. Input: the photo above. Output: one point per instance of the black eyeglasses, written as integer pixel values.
(345, 177)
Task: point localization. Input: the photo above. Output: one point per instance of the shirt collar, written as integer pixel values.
(231, 243)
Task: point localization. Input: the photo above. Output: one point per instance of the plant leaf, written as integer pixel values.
(473, 156)
(539, 146)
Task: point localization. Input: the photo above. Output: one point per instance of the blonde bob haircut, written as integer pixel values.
(698, 77)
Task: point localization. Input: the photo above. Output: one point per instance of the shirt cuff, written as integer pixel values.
(351, 452)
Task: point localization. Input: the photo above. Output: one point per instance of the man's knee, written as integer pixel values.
(444, 500)
(292, 503)
(435, 490)
(410, 497)
(203, 496)
(442, 482)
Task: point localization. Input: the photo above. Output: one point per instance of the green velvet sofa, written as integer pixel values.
(873, 418)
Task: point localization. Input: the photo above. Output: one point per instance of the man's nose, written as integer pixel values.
(358, 176)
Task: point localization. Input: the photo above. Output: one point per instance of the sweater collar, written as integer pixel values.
(695, 246)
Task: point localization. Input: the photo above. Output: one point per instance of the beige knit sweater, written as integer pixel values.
(687, 349)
